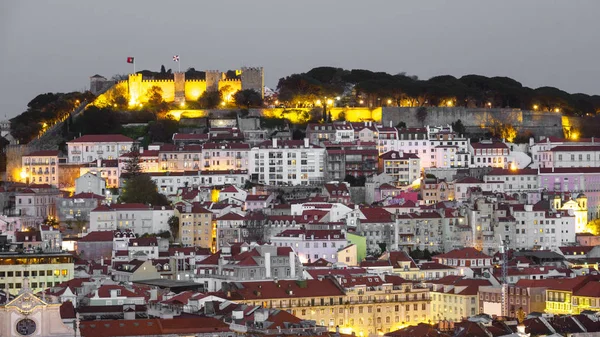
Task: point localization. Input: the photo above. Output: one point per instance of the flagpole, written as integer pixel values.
(134, 65)
(179, 64)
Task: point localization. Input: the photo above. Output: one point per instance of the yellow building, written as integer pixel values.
(196, 226)
(455, 298)
(362, 305)
(560, 295)
(587, 298)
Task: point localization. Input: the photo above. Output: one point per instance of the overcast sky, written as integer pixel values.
(54, 46)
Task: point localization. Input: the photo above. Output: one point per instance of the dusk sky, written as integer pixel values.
(56, 46)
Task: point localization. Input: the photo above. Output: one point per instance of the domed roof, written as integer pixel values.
(581, 195)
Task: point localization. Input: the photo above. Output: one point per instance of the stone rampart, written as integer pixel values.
(475, 120)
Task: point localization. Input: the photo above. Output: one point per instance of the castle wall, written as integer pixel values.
(167, 86)
(179, 87)
(194, 89)
(236, 85)
(476, 119)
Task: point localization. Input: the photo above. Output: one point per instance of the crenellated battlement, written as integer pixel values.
(157, 81)
(178, 89)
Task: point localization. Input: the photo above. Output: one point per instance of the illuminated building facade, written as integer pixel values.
(43, 270)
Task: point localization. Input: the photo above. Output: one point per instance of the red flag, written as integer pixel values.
(130, 59)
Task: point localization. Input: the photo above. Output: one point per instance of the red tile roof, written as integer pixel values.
(101, 138)
(98, 236)
(464, 253)
(288, 289)
(43, 153)
(591, 289)
(395, 155)
(153, 327)
(577, 148)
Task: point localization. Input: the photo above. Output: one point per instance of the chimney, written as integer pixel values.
(102, 261)
(98, 163)
(391, 124)
(292, 265)
(305, 142)
(274, 142)
(253, 189)
(268, 265)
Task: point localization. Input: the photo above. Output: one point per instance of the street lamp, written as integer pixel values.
(489, 104)
(535, 107)
(389, 101)
(556, 110)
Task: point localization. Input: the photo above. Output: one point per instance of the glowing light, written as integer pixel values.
(45, 125)
(140, 105)
(318, 102)
(182, 105)
(361, 101)
(115, 105)
(23, 175)
(535, 107)
(513, 166)
(389, 101)
(489, 104)
(574, 135)
(329, 102)
(276, 102)
(556, 110)
(223, 103)
(337, 98)
(449, 103)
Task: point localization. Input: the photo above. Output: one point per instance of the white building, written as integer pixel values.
(545, 144)
(311, 245)
(92, 147)
(571, 156)
(542, 229)
(40, 167)
(287, 162)
(225, 156)
(522, 183)
(489, 153)
(90, 183)
(138, 218)
(403, 167)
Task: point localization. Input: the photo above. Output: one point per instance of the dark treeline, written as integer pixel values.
(359, 87)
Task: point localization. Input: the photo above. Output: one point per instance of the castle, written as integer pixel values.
(180, 90)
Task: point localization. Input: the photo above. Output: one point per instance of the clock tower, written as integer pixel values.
(27, 315)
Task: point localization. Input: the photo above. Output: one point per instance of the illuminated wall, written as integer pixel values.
(194, 88)
(302, 115)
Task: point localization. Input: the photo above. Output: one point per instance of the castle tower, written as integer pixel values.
(179, 88)
(97, 84)
(212, 80)
(134, 87)
(254, 78)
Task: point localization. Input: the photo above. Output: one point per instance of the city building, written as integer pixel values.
(404, 167)
(89, 148)
(43, 269)
(90, 183)
(40, 167)
(312, 245)
(292, 162)
(138, 218)
(489, 153)
(571, 156)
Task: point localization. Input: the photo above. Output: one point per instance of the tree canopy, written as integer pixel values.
(368, 88)
(141, 189)
(247, 98)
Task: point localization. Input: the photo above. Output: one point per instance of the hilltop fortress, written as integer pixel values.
(178, 89)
